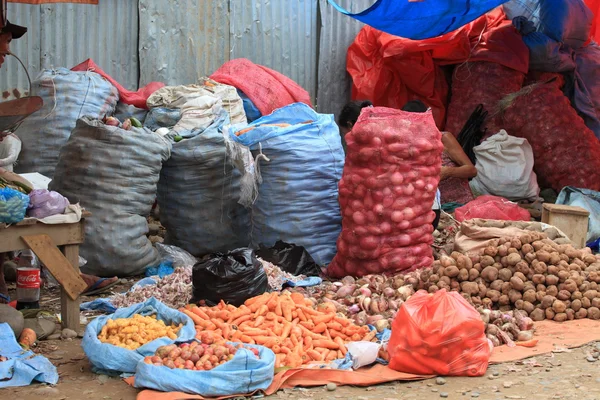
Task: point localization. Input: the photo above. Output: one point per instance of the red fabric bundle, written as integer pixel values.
(268, 89)
(136, 99)
(477, 83)
(438, 334)
(491, 207)
(386, 192)
(390, 70)
(566, 151)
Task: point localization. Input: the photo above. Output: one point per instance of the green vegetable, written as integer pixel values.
(135, 122)
(178, 138)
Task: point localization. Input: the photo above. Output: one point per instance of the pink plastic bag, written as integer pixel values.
(386, 193)
(44, 203)
(492, 207)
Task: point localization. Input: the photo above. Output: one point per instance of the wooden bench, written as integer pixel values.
(57, 247)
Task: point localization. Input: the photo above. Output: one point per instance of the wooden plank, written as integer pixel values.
(61, 234)
(69, 309)
(564, 209)
(60, 267)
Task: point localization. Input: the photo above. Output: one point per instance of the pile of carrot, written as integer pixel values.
(287, 323)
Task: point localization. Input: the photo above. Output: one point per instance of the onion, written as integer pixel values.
(361, 318)
(365, 291)
(406, 291)
(389, 292)
(353, 309)
(348, 280)
(365, 304)
(382, 325)
(375, 307)
(372, 319)
(345, 291)
(393, 305)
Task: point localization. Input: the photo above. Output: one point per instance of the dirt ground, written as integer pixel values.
(565, 375)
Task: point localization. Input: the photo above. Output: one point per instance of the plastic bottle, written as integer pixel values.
(28, 281)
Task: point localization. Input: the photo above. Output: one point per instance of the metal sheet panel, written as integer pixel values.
(182, 40)
(107, 33)
(337, 33)
(281, 35)
(13, 79)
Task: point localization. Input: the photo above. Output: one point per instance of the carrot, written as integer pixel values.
(224, 315)
(320, 328)
(200, 313)
(261, 301)
(218, 323)
(294, 339)
(278, 310)
(276, 348)
(287, 328)
(342, 345)
(237, 334)
(262, 310)
(255, 332)
(279, 360)
(264, 340)
(226, 332)
(327, 308)
(335, 326)
(528, 343)
(242, 319)
(285, 349)
(335, 334)
(331, 356)
(271, 316)
(243, 310)
(301, 315)
(277, 329)
(194, 317)
(286, 308)
(324, 318)
(308, 342)
(328, 344)
(342, 321)
(259, 321)
(246, 339)
(308, 325)
(370, 336)
(297, 298)
(315, 355)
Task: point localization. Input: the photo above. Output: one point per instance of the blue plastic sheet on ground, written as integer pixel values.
(113, 360)
(298, 195)
(245, 373)
(419, 20)
(22, 367)
(586, 199)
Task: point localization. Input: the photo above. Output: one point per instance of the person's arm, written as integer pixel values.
(465, 169)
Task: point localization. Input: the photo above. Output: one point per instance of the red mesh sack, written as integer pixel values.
(566, 151)
(268, 89)
(477, 83)
(554, 78)
(388, 186)
(491, 207)
(438, 334)
(136, 99)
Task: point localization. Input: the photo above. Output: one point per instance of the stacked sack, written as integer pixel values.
(386, 193)
(199, 186)
(301, 159)
(67, 96)
(113, 173)
(543, 115)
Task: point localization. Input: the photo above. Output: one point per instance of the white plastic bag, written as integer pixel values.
(363, 353)
(505, 168)
(10, 147)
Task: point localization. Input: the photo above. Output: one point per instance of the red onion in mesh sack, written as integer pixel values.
(386, 192)
(44, 203)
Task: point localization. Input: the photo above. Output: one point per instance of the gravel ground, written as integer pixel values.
(565, 375)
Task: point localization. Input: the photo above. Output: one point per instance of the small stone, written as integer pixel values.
(440, 381)
(102, 379)
(496, 373)
(590, 359)
(507, 385)
(443, 395)
(54, 336)
(331, 387)
(46, 391)
(577, 386)
(474, 394)
(68, 334)
(430, 384)
(124, 281)
(434, 390)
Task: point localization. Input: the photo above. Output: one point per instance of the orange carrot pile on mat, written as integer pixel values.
(296, 331)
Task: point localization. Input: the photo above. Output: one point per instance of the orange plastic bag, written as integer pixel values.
(439, 334)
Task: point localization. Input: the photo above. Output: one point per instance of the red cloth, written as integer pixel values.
(268, 89)
(137, 99)
(390, 70)
(594, 5)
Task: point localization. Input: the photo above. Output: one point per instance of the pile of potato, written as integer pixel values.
(530, 273)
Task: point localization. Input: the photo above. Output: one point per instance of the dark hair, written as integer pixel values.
(416, 106)
(349, 114)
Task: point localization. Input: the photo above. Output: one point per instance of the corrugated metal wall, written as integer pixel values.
(65, 34)
(179, 41)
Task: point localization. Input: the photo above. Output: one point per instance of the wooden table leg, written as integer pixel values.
(69, 309)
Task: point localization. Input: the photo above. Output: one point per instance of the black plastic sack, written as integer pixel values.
(233, 277)
(290, 258)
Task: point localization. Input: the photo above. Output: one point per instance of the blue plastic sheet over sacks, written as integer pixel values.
(22, 367)
(586, 199)
(113, 360)
(587, 86)
(420, 20)
(245, 373)
(298, 196)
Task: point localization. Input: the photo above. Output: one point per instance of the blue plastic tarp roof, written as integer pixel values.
(422, 19)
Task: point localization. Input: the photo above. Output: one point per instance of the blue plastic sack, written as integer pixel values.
(13, 205)
(566, 21)
(22, 367)
(586, 199)
(298, 196)
(587, 86)
(419, 20)
(252, 113)
(243, 374)
(159, 117)
(113, 360)
(165, 268)
(198, 194)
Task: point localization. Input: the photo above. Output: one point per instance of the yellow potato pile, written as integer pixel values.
(131, 333)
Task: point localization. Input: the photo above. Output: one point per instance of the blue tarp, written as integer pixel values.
(419, 20)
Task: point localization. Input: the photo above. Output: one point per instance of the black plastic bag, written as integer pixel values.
(290, 258)
(233, 277)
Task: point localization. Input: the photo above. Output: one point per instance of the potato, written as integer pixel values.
(519, 304)
(502, 251)
(537, 245)
(491, 251)
(477, 267)
(558, 306)
(593, 286)
(563, 275)
(537, 315)
(586, 303)
(489, 274)
(505, 274)
(463, 275)
(464, 262)
(504, 300)
(493, 295)
(523, 268)
(593, 313)
(486, 302)
(570, 285)
(560, 317)
(455, 255)
(551, 280)
(547, 301)
(584, 287)
(575, 267)
(473, 274)
(445, 280)
(530, 257)
(433, 288)
(526, 238)
(486, 261)
(455, 285)
(514, 296)
(581, 313)
(470, 288)
(515, 243)
(517, 283)
(593, 276)
(529, 296)
(505, 288)
(576, 295)
(564, 295)
(539, 295)
(553, 270)
(528, 286)
(570, 314)
(552, 290)
(550, 313)
(451, 271)
(482, 289)
(539, 279)
(589, 259)
(554, 258)
(540, 267)
(513, 259)
(572, 253)
(591, 294)
(526, 248)
(542, 256)
(497, 285)
(528, 307)
(596, 302)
